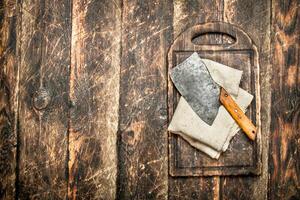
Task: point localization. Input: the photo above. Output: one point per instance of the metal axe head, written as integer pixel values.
(194, 83)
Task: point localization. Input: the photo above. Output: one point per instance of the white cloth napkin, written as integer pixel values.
(213, 139)
(227, 77)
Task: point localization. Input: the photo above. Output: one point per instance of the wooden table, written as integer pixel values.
(83, 104)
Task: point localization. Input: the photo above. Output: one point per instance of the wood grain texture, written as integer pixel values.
(142, 143)
(187, 14)
(185, 188)
(7, 144)
(243, 155)
(284, 157)
(65, 118)
(254, 18)
(43, 111)
(94, 95)
(9, 21)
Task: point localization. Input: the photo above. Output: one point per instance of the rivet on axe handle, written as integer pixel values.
(237, 114)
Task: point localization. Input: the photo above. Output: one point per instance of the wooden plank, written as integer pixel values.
(43, 111)
(142, 144)
(253, 17)
(284, 161)
(193, 188)
(187, 14)
(9, 23)
(94, 94)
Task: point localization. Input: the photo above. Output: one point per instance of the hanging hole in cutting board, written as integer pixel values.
(213, 38)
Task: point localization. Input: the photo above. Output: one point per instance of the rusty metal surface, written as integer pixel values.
(195, 84)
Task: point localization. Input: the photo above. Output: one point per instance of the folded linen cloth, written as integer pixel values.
(213, 139)
(227, 77)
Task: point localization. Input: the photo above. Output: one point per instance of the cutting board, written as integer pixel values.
(229, 45)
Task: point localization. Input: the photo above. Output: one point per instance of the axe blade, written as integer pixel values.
(194, 83)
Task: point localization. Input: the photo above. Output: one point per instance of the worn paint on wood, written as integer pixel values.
(94, 96)
(43, 111)
(142, 144)
(284, 161)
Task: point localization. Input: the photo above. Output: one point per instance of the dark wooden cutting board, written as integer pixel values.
(238, 51)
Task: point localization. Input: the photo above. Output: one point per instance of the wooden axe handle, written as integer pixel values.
(238, 115)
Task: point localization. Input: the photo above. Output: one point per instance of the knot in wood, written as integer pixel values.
(41, 99)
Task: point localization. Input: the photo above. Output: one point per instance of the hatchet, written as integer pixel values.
(194, 82)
